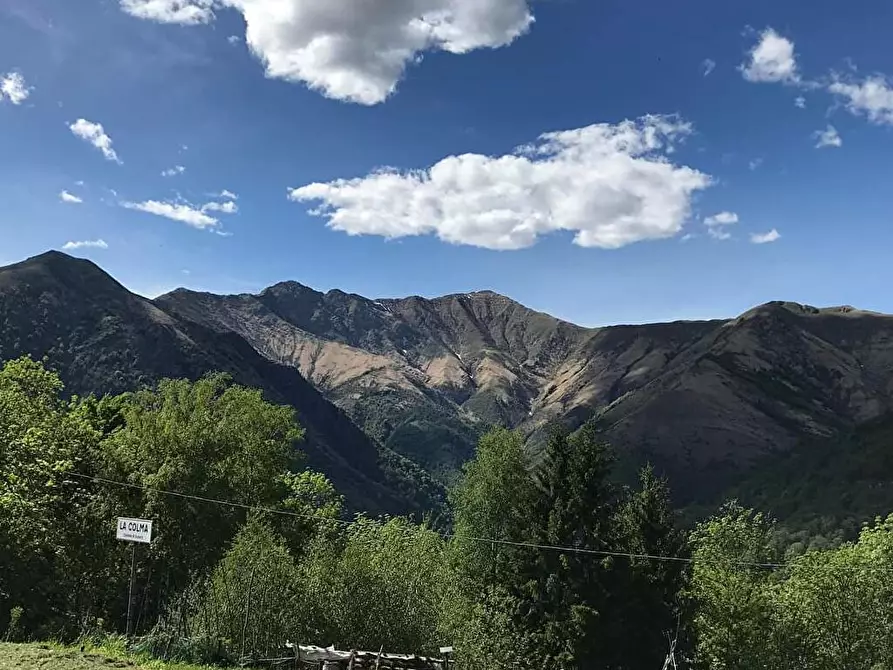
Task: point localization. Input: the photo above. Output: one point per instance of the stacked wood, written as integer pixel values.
(333, 659)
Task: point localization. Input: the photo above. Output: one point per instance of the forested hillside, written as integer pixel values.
(547, 565)
(103, 339)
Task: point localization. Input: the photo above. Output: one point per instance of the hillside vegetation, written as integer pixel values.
(545, 566)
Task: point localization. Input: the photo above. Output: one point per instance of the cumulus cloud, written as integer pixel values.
(223, 207)
(873, 97)
(721, 219)
(14, 88)
(228, 194)
(65, 196)
(765, 238)
(171, 172)
(95, 134)
(86, 244)
(716, 225)
(186, 12)
(234, 39)
(827, 138)
(707, 66)
(771, 60)
(612, 185)
(800, 102)
(184, 213)
(349, 50)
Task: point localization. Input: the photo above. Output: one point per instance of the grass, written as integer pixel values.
(58, 657)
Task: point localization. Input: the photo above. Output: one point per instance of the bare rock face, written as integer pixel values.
(701, 399)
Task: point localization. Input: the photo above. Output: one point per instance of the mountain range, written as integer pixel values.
(396, 391)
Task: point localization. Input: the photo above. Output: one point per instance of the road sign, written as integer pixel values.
(134, 530)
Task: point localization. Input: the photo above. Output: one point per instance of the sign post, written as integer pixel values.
(135, 531)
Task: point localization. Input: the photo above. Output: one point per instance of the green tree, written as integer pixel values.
(837, 605)
(647, 592)
(734, 594)
(495, 499)
(570, 593)
(209, 439)
(383, 584)
(41, 442)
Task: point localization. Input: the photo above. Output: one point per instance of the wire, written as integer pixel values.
(446, 536)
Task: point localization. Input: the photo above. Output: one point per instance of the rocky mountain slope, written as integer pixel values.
(104, 339)
(703, 400)
(423, 378)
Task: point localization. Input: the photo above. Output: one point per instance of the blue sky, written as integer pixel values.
(100, 97)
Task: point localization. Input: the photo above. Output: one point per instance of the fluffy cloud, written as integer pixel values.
(171, 172)
(86, 244)
(872, 97)
(800, 102)
(95, 134)
(228, 194)
(765, 238)
(827, 138)
(184, 213)
(13, 88)
(223, 207)
(716, 225)
(721, 219)
(771, 60)
(708, 65)
(611, 184)
(349, 50)
(65, 196)
(186, 12)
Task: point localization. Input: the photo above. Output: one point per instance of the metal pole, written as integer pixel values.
(130, 592)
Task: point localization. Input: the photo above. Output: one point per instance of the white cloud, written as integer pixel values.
(349, 50)
(95, 134)
(170, 172)
(13, 87)
(227, 194)
(611, 184)
(186, 12)
(234, 39)
(708, 65)
(65, 196)
(716, 225)
(721, 219)
(228, 207)
(800, 102)
(184, 213)
(86, 244)
(873, 97)
(827, 138)
(771, 60)
(754, 164)
(765, 238)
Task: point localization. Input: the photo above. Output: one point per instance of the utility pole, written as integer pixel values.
(130, 591)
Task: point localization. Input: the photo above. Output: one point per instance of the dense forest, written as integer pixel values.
(555, 565)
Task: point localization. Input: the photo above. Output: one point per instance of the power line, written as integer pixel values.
(446, 536)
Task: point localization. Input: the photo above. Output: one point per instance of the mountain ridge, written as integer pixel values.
(690, 395)
(703, 400)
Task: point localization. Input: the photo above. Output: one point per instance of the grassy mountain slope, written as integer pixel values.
(104, 339)
(703, 400)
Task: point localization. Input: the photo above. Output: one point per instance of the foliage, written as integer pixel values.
(554, 566)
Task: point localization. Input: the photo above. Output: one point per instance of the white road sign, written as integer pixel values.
(134, 530)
